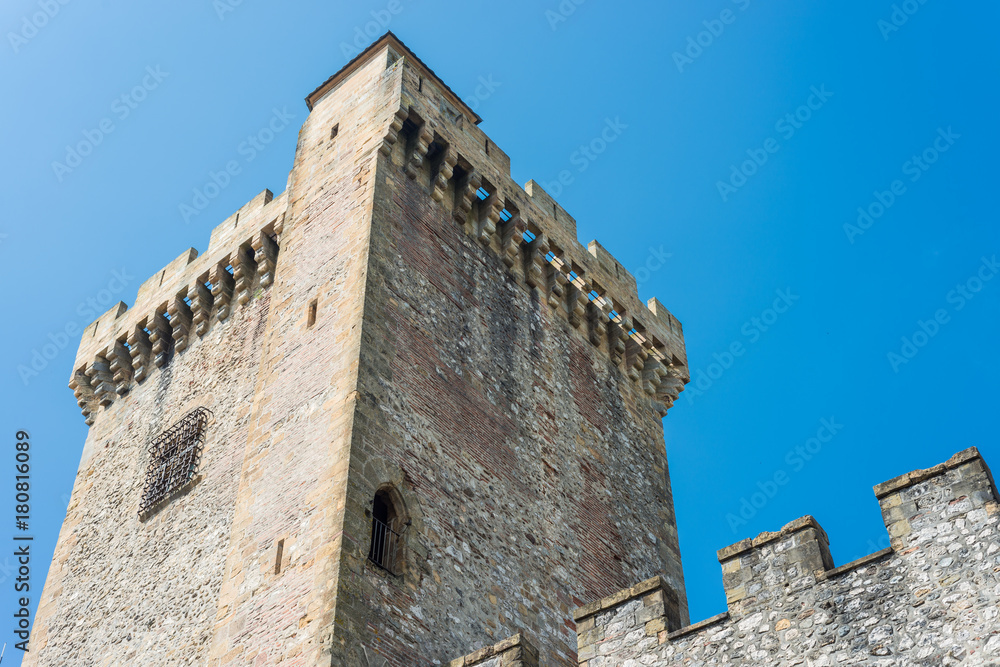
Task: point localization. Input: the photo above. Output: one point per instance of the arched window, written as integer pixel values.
(387, 527)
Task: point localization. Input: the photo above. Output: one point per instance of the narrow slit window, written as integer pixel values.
(311, 314)
(277, 556)
(334, 130)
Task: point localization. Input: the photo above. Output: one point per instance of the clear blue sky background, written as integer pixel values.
(653, 191)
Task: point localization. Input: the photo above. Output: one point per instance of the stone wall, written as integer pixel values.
(515, 651)
(930, 599)
(293, 479)
(403, 317)
(120, 588)
(530, 462)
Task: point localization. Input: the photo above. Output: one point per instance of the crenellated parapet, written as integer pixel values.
(178, 305)
(788, 604)
(466, 174)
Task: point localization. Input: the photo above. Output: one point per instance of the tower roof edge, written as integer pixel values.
(389, 39)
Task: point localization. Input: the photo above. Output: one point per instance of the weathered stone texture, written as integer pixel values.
(530, 462)
(122, 591)
(379, 326)
(929, 600)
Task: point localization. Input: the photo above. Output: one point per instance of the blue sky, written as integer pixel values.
(749, 135)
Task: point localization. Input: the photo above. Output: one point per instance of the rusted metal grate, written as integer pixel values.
(173, 459)
(384, 550)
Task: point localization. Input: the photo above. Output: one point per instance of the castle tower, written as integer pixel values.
(397, 412)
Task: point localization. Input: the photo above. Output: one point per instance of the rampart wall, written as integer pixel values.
(930, 599)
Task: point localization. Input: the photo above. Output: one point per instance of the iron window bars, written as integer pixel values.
(385, 548)
(173, 459)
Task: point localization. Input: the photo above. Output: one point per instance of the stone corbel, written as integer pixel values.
(201, 307)
(637, 358)
(468, 195)
(513, 235)
(243, 272)
(139, 349)
(159, 338)
(266, 256)
(80, 384)
(578, 306)
(537, 250)
(616, 341)
(121, 366)
(491, 220)
(557, 284)
(180, 322)
(416, 159)
(632, 347)
(444, 174)
(102, 381)
(392, 134)
(653, 372)
(598, 323)
(671, 385)
(222, 289)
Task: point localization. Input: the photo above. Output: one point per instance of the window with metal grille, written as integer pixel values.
(386, 544)
(173, 460)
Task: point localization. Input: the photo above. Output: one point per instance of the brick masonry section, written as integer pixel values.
(930, 599)
(528, 459)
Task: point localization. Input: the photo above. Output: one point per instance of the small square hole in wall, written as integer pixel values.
(311, 314)
(334, 131)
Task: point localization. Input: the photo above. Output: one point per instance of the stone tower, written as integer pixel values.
(396, 413)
